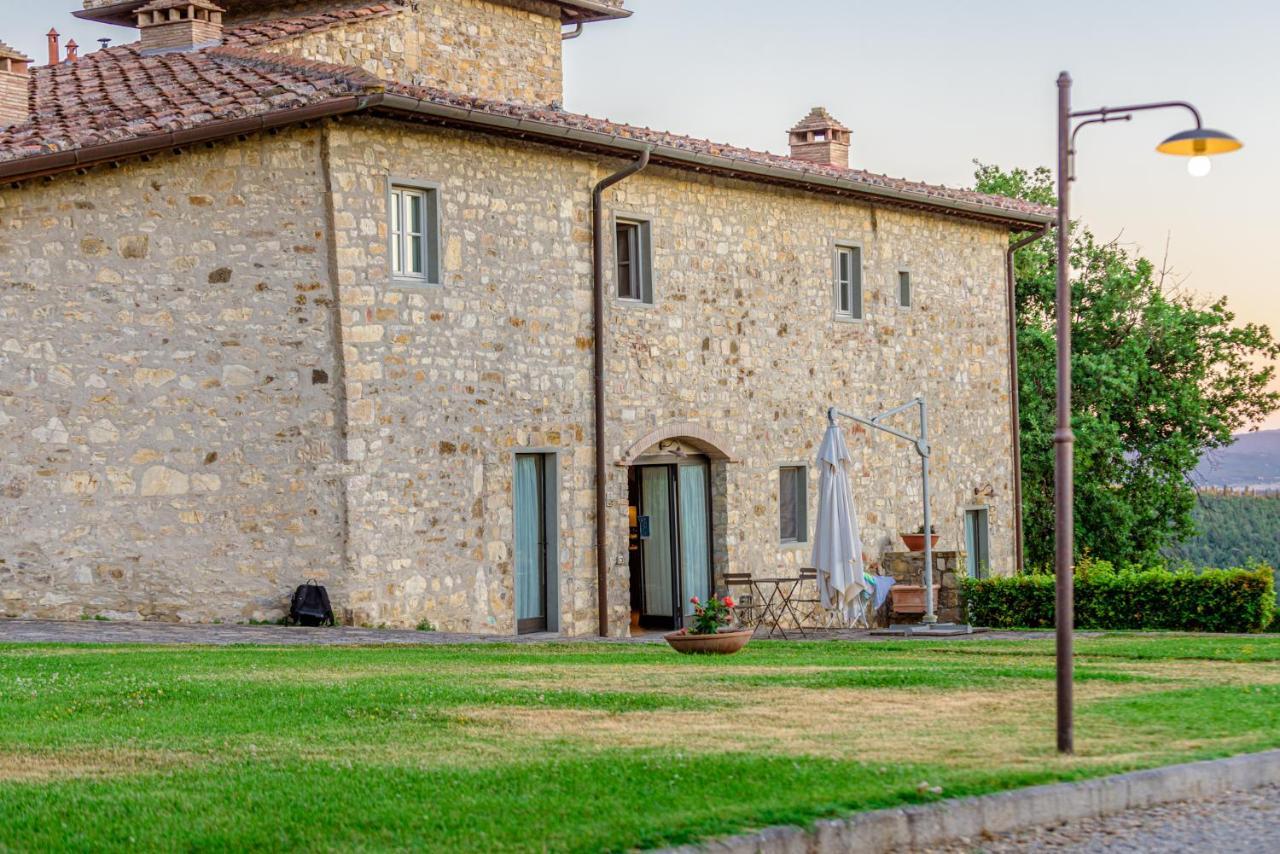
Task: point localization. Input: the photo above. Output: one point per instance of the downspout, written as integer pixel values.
(598, 331)
(1015, 412)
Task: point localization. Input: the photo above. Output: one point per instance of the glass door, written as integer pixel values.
(531, 542)
(658, 547)
(673, 529)
(695, 534)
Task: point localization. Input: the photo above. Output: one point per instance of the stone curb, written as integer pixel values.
(912, 828)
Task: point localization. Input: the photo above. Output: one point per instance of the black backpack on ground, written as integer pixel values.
(310, 606)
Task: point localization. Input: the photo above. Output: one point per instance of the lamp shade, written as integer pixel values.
(1200, 142)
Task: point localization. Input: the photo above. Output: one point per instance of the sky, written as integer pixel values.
(927, 86)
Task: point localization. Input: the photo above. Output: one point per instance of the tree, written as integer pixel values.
(1159, 378)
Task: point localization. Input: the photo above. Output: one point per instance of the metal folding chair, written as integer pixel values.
(806, 598)
(746, 607)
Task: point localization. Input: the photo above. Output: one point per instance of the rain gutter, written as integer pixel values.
(49, 164)
(679, 157)
(598, 333)
(43, 165)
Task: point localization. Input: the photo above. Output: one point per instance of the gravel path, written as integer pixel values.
(1236, 821)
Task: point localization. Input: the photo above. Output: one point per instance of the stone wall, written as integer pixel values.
(189, 433)
(449, 381)
(167, 388)
(908, 568)
(501, 51)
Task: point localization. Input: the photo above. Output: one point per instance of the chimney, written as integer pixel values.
(55, 56)
(819, 138)
(171, 26)
(73, 51)
(15, 103)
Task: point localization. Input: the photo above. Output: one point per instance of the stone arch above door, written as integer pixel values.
(703, 438)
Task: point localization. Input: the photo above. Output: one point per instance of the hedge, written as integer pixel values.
(1214, 600)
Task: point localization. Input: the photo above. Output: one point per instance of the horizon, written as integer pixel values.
(995, 105)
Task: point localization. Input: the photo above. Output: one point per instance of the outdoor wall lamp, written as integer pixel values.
(1198, 144)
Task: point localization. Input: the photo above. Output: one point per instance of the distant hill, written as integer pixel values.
(1252, 460)
(1234, 529)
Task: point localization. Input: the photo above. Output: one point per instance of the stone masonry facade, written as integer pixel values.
(448, 46)
(212, 388)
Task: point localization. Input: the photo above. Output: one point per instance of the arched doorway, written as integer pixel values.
(675, 485)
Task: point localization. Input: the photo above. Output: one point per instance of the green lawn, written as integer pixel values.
(577, 747)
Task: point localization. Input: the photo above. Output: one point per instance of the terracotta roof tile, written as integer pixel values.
(265, 32)
(695, 145)
(116, 94)
(7, 52)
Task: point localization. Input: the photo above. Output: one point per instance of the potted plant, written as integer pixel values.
(915, 541)
(712, 632)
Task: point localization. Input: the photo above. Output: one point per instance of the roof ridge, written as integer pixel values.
(357, 77)
(267, 32)
(560, 119)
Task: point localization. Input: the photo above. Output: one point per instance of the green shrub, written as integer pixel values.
(1215, 600)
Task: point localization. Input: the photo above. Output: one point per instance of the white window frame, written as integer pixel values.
(801, 505)
(857, 297)
(911, 287)
(399, 244)
(643, 263)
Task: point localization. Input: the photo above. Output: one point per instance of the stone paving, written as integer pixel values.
(1235, 821)
(101, 631)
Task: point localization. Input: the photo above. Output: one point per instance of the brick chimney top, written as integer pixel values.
(819, 138)
(170, 26)
(15, 103)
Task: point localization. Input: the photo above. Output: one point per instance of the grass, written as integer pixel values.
(577, 747)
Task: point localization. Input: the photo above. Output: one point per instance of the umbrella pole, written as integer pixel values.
(922, 448)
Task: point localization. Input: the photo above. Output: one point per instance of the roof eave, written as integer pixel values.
(42, 165)
(571, 12)
(669, 155)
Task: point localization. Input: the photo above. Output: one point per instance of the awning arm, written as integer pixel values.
(921, 443)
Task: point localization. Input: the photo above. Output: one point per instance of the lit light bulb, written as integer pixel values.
(1198, 167)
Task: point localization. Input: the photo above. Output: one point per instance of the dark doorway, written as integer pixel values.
(670, 544)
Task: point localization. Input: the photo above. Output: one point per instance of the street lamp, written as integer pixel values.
(1198, 143)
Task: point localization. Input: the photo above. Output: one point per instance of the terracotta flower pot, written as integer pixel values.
(721, 643)
(915, 542)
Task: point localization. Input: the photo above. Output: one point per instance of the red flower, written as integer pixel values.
(695, 601)
(728, 601)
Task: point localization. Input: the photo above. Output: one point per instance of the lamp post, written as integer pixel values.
(1198, 144)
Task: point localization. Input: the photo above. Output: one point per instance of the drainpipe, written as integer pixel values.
(565, 35)
(597, 320)
(1015, 413)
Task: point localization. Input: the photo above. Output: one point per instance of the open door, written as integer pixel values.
(671, 541)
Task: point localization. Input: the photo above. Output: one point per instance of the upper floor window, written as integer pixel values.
(849, 282)
(634, 259)
(413, 234)
(904, 288)
(793, 504)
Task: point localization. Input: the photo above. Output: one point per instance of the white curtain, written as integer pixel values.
(655, 482)
(694, 545)
(528, 523)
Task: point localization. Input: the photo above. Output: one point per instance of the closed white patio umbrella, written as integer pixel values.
(837, 546)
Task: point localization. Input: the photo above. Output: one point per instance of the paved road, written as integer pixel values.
(1234, 822)
(100, 631)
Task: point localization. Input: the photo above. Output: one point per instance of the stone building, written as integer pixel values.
(297, 290)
